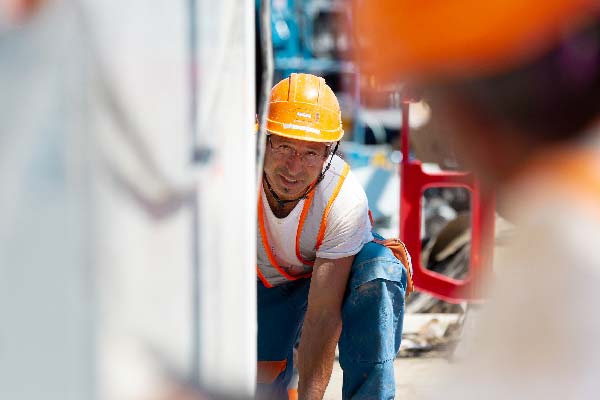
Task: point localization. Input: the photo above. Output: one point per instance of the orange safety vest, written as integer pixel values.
(317, 205)
(574, 170)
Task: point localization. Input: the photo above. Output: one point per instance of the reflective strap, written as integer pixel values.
(262, 278)
(574, 170)
(267, 248)
(268, 371)
(303, 215)
(330, 204)
(581, 176)
(307, 204)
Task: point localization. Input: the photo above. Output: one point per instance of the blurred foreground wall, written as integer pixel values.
(127, 209)
(47, 304)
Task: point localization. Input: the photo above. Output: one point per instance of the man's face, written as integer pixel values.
(291, 165)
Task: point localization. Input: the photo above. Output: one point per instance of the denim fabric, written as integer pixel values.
(372, 316)
(281, 312)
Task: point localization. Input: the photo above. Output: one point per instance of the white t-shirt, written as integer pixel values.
(348, 227)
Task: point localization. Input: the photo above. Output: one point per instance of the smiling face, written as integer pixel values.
(291, 165)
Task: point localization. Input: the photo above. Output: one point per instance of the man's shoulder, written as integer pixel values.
(341, 186)
(339, 174)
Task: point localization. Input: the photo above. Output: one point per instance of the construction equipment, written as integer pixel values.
(414, 180)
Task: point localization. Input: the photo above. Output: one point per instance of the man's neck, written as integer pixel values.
(280, 210)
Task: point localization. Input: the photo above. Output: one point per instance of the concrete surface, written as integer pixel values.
(415, 379)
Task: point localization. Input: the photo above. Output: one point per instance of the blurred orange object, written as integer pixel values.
(402, 39)
(18, 11)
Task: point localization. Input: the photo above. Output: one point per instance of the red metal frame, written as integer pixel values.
(413, 182)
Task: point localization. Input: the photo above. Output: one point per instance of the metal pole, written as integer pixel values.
(267, 82)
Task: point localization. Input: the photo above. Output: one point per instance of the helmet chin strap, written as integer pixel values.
(281, 203)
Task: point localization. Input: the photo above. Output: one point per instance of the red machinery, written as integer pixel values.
(412, 184)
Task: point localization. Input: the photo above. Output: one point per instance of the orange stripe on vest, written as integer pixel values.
(330, 204)
(574, 170)
(303, 215)
(300, 226)
(265, 242)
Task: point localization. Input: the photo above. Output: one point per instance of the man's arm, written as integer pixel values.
(322, 325)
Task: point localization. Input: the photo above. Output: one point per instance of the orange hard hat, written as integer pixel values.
(303, 107)
(400, 39)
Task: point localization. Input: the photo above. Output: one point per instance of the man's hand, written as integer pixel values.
(322, 325)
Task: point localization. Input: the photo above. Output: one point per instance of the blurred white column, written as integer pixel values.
(125, 265)
(176, 237)
(47, 311)
(227, 200)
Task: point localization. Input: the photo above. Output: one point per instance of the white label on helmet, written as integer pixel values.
(305, 115)
(301, 128)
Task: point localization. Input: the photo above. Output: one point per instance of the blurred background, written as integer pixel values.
(319, 37)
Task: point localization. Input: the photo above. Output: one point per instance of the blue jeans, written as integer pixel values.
(372, 315)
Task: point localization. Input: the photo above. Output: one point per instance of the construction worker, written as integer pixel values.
(319, 269)
(519, 84)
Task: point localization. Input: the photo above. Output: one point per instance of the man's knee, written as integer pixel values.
(373, 310)
(375, 261)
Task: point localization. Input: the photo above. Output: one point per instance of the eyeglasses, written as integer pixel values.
(310, 158)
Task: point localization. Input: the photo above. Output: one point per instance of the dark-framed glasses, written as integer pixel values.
(309, 158)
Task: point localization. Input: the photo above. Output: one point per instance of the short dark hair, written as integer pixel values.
(554, 97)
